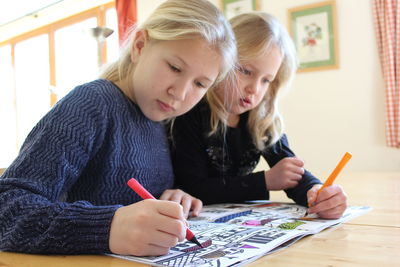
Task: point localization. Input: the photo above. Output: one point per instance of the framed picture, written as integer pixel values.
(313, 28)
(232, 8)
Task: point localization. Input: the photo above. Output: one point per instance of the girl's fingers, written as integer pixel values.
(295, 169)
(296, 161)
(169, 230)
(164, 239)
(297, 176)
(197, 205)
(186, 203)
(185, 200)
(333, 191)
(166, 195)
(292, 183)
(312, 194)
(298, 170)
(327, 202)
(333, 213)
(170, 209)
(175, 195)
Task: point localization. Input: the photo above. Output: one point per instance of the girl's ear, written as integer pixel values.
(139, 42)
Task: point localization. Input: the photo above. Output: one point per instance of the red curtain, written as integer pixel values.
(127, 16)
(387, 27)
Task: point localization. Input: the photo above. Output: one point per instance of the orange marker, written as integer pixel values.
(335, 172)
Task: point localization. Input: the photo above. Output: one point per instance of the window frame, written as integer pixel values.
(99, 12)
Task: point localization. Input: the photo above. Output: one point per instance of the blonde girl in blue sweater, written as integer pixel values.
(66, 191)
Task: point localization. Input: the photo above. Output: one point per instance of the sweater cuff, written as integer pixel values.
(91, 231)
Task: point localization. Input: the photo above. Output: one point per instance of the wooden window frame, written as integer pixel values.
(98, 12)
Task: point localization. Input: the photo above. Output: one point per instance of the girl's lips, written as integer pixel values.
(165, 107)
(245, 102)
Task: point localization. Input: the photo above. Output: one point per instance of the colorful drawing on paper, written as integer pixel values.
(265, 229)
(290, 225)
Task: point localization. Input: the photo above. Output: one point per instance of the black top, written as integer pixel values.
(220, 168)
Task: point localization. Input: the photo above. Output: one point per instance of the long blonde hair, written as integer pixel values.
(179, 20)
(255, 33)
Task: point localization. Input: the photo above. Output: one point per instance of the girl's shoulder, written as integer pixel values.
(197, 119)
(201, 108)
(100, 89)
(99, 94)
(199, 113)
(281, 145)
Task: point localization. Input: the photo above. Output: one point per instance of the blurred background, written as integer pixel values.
(47, 47)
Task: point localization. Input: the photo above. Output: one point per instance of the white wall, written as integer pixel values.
(333, 111)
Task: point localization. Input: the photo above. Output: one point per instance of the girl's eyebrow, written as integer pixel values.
(184, 63)
(254, 69)
(180, 59)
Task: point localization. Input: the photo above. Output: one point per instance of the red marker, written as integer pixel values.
(143, 193)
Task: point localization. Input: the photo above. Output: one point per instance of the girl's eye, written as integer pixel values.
(173, 68)
(265, 80)
(200, 85)
(244, 71)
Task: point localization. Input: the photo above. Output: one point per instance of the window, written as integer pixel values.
(8, 142)
(75, 56)
(112, 40)
(31, 83)
(40, 67)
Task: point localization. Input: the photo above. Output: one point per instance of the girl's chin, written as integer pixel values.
(236, 110)
(241, 110)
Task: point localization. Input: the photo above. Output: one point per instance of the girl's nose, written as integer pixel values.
(179, 90)
(252, 88)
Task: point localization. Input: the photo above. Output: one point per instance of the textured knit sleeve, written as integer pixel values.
(193, 172)
(281, 150)
(34, 216)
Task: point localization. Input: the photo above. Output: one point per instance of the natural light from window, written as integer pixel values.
(76, 56)
(112, 40)
(8, 142)
(32, 83)
(41, 65)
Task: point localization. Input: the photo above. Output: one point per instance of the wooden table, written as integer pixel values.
(370, 240)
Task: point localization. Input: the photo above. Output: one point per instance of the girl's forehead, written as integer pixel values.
(251, 55)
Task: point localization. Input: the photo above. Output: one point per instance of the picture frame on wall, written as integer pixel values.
(232, 8)
(314, 32)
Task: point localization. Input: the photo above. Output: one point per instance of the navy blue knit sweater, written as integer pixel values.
(61, 192)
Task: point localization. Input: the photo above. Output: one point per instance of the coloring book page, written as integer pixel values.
(236, 234)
